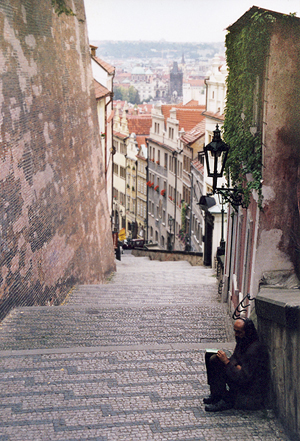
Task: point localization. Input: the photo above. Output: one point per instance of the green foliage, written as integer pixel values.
(246, 49)
(61, 8)
(130, 95)
(184, 208)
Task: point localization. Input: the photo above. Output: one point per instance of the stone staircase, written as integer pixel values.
(144, 303)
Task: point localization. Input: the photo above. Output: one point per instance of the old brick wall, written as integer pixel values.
(55, 226)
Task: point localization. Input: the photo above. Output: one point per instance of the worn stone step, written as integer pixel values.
(49, 327)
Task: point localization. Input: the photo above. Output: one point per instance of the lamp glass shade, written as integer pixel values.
(216, 155)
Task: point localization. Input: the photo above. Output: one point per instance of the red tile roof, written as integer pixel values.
(195, 83)
(141, 140)
(139, 124)
(195, 110)
(194, 134)
(120, 135)
(213, 115)
(198, 166)
(109, 69)
(171, 149)
(100, 91)
(189, 118)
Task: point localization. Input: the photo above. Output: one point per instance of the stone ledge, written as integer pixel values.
(280, 305)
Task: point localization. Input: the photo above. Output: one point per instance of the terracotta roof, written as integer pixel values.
(109, 69)
(120, 135)
(160, 144)
(189, 107)
(141, 140)
(189, 118)
(139, 124)
(195, 133)
(195, 83)
(198, 166)
(213, 115)
(100, 91)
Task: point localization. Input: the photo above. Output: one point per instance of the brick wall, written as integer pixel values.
(54, 221)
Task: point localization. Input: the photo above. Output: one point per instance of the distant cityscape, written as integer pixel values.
(147, 72)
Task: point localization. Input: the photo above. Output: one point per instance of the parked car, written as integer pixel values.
(130, 244)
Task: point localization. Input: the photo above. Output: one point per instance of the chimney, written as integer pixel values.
(93, 50)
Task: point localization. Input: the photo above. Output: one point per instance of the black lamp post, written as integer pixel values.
(170, 222)
(216, 153)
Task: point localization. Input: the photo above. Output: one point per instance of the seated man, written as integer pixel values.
(240, 381)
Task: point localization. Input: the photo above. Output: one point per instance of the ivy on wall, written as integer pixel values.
(61, 8)
(247, 48)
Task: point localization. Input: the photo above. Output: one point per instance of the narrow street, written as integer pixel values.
(122, 361)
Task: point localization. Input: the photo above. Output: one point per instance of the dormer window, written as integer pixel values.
(156, 128)
(171, 133)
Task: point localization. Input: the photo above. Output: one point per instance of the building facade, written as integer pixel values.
(262, 253)
(103, 74)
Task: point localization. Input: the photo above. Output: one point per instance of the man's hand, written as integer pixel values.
(223, 357)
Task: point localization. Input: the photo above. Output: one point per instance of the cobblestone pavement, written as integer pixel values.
(122, 361)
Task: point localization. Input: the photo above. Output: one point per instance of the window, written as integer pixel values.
(162, 241)
(166, 160)
(122, 172)
(164, 216)
(156, 236)
(116, 169)
(171, 133)
(201, 157)
(122, 198)
(115, 193)
(123, 149)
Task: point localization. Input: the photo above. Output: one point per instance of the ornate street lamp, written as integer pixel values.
(169, 242)
(216, 153)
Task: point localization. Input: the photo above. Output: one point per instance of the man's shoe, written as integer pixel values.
(218, 407)
(211, 399)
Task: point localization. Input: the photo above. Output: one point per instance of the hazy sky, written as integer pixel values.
(172, 20)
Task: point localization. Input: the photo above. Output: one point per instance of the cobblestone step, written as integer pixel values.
(122, 361)
(50, 327)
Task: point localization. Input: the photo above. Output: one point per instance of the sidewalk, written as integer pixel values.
(122, 361)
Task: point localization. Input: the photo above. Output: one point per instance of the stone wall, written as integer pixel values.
(54, 221)
(278, 315)
(195, 259)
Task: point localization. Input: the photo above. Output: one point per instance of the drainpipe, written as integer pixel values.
(147, 202)
(125, 193)
(175, 199)
(191, 210)
(105, 123)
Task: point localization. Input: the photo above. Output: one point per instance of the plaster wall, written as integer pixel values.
(278, 237)
(54, 222)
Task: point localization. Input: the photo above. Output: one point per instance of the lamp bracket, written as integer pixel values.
(241, 308)
(233, 196)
